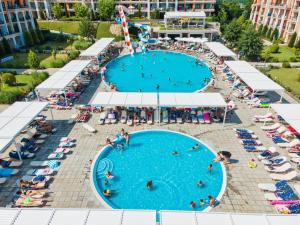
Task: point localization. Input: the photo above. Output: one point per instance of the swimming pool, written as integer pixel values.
(173, 72)
(149, 157)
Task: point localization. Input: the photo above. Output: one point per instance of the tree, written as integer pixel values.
(292, 40)
(139, 13)
(6, 46)
(297, 45)
(222, 15)
(260, 28)
(53, 53)
(233, 32)
(87, 28)
(250, 44)
(275, 34)
(264, 30)
(57, 11)
(106, 9)
(9, 79)
(28, 39)
(81, 10)
(33, 60)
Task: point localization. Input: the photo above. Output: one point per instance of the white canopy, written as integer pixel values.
(256, 80)
(197, 218)
(63, 77)
(182, 14)
(76, 217)
(15, 118)
(290, 113)
(97, 47)
(220, 50)
(192, 40)
(138, 99)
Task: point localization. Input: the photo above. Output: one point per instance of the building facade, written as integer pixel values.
(280, 14)
(15, 18)
(42, 8)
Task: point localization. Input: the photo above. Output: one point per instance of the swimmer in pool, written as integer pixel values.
(142, 75)
(192, 204)
(210, 168)
(196, 146)
(175, 153)
(201, 202)
(200, 184)
(189, 82)
(107, 192)
(108, 142)
(149, 185)
(169, 78)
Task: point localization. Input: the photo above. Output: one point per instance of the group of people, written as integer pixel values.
(118, 143)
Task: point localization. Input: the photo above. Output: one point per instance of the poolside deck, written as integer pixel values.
(71, 188)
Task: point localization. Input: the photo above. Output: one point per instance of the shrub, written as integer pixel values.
(292, 40)
(288, 89)
(7, 97)
(8, 78)
(33, 60)
(81, 44)
(286, 65)
(273, 48)
(73, 54)
(293, 59)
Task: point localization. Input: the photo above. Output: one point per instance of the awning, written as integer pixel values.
(220, 50)
(99, 46)
(15, 118)
(182, 14)
(192, 40)
(254, 79)
(138, 99)
(64, 76)
(290, 113)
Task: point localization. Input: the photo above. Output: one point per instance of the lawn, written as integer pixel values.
(285, 53)
(103, 30)
(287, 77)
(61, 26)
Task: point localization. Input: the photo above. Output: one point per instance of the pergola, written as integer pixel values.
(159, 100)
(253, 78)
(220, 50)
(97, 48)
(16, 118)
(197, 17)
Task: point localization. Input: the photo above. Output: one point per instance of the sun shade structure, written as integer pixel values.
(198, 218)
(220, 50)
(17, 117)
(290, 113)
(64, 76)
(253, 78)
(192, 40)
(76, 217)
(173, 15)
(97, 48)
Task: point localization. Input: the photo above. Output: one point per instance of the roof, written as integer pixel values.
(15, 118)
(151, 99)
(63, 77)
(255, 79)
(198, 218)
(97, 47)
(48, 216)
(220, 50)
(192, 39)
(200, 14)
(290, 113)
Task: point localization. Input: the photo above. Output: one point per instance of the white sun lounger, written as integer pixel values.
(102, 117)
(2, 180)
(89, 128)
(263, 120)
(279, 169)
(271, 127)
(30, 178)
(31, 134)
(150, 118)
(268, 115)
(37, 172)
(272, 197)
(39, 163)
(288, 176)
(295, 160)
(267, 187)
(294, 155)
(123, 116)
(297, 188)
(15, 163)
(291, 144)
(129, 120)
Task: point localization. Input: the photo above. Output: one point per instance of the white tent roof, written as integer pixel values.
(290, 113)
(63, 77)
(182, 14)
(7, 216)
(256, 80)
(198, 218)
(220, 50)
(131, 217)
(69, 216)
(139, 99)
(192, 39)
(28, 217)
(15, 118)
(107, 217)
(97, 47)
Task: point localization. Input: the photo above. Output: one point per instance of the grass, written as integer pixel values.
(288, 78)
(61, 26)
(23, 82)
(103, 30)
(285, 53)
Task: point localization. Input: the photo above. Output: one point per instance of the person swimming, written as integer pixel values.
(142, 75)
(149, 185)
(211, 201)
(109, 142)
(126, 136)
(189, 82)
(210, 168)
(201, 202)
(107, 192)
(109, 175)
(196, 146)
(175, 153)
(192, 204)
(200, 184)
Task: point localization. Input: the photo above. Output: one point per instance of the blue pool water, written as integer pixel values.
(144, 71)
(148, 157)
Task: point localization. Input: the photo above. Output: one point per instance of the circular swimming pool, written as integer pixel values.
(149, 157)
(173, 72)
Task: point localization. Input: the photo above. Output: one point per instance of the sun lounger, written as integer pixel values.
(276, 161)
(287, 194)
(37, 172)
(263, 120)
(241, 130)
(89, 128)
(291, 144)
(252, 148)
(200, 117)
(34, 178)
(112, 117)
(172, 116)
(297, 188)
(288, 209)
(294, 155)
(279, 169)
(2, 180)
(123, 116)
(271, 127)
(250, 142)
(278, 186)
(55, 156)
(7, 172)
(206, 117)
(67, 139)
(143, 116)
(295, 160)
(129, 120)
(288, 176)
(179, 117)
(165, 116)
(102, 117)
(69, 144)
(267, 154)
(246, 136)
(150, 118)
(39, 163)
(9, 163)
(268, 115)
